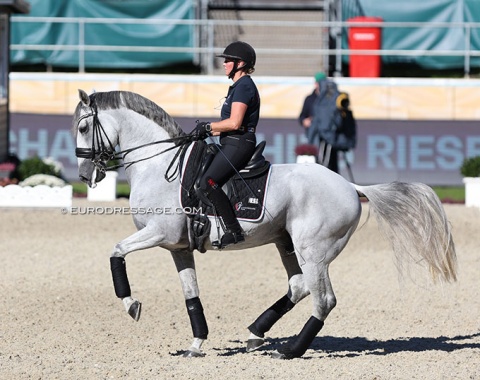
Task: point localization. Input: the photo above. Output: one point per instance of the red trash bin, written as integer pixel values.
(365, 38)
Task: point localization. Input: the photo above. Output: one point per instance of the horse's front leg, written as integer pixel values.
(142, 239)
(185, 264)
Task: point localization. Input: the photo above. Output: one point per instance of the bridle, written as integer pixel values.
(102, 150)
(99, 153)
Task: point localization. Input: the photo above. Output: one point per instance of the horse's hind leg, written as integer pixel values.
(318, 281)
(185, 264)
(296, 292)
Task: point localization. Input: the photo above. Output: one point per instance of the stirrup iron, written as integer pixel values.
(229, 238)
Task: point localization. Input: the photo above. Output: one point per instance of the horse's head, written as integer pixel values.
(96, 140)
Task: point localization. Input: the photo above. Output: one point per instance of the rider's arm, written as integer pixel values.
(233, 122)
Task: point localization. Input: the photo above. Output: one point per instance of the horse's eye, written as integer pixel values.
(83, 128)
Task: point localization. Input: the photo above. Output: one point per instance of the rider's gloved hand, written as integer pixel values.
(201, 131)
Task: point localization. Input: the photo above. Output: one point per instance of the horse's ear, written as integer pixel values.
(85, 99)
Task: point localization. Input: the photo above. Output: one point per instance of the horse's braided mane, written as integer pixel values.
(138, 104)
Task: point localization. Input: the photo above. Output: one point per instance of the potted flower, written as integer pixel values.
(306, 153)
(6, 168)
(40, 185)
(470, 170)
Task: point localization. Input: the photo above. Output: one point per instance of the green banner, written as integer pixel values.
(159, 34)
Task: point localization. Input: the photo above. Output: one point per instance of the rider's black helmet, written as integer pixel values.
(240, 51)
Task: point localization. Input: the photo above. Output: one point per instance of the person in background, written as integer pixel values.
(307, 117)
(239, 118)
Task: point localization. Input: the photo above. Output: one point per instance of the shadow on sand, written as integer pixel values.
(343, 347)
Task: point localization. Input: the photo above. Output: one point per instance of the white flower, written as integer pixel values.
(57, 166)
(43, 179)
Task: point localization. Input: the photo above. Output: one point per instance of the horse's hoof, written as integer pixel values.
(279, 355)
(254, 344)
(134, 310)
(193, 353)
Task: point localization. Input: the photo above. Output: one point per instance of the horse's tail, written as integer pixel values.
(414, 220)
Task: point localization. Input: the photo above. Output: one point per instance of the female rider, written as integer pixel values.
(239, 118)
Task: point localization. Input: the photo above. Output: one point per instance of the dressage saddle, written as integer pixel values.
(238, 189)
(255, 166)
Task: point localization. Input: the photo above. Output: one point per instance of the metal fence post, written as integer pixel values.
(468, 31)
(81, 45)
(209, 54)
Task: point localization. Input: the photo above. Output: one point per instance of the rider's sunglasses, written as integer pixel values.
(227, 60)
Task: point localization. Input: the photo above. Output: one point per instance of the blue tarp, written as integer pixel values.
(106, 34)
(426, 38)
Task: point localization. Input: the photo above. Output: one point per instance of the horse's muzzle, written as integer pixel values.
(90, 173)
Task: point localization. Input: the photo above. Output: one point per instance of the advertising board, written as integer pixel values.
(387, 150)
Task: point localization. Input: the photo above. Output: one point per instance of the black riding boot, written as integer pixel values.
(233, 233)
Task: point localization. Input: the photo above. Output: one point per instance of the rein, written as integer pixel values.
(105, 153)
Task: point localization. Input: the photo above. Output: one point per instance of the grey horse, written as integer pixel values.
(311, 213)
